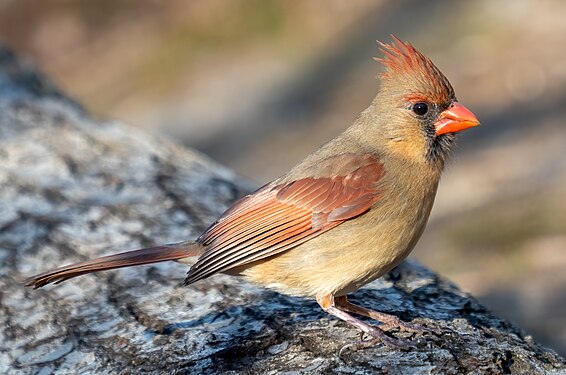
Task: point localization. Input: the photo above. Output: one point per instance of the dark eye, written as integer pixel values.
(420, 108)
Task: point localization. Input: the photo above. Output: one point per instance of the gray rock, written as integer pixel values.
(72, 187)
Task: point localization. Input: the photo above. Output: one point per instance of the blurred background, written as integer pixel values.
(258, 84)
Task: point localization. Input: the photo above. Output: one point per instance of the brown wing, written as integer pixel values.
(278, 217)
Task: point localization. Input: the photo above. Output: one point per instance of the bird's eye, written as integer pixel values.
(420, 108)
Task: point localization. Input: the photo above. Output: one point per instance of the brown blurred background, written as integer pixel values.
(257, 84)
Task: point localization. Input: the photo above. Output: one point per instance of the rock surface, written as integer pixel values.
(72, 187)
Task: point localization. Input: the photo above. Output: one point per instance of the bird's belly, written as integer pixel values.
(343, 259)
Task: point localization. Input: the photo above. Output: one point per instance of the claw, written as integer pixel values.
(408, 327)
(339, 307)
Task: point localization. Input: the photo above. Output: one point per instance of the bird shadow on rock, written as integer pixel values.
(269, 308)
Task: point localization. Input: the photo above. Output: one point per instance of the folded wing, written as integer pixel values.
(278, 217)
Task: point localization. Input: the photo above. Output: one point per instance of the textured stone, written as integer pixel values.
(72, 187)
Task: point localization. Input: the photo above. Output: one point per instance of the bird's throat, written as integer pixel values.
(439, 148)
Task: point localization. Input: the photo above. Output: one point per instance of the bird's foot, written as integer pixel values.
(388, 322)
(376, 333)
(395, 323)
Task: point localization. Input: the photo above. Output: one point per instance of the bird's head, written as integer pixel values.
(417, 107)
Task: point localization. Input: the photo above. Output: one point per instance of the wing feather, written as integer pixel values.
(280, 216)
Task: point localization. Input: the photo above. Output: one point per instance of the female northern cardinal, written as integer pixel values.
(344, 216)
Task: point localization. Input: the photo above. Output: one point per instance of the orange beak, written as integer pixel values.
(454, 119)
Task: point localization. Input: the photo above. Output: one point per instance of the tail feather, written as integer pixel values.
(130, 258)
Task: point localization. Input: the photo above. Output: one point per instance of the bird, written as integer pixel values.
(344, 216)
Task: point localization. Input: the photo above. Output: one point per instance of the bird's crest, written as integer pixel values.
(402, 59)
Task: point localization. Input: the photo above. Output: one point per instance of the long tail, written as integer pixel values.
(128, 259)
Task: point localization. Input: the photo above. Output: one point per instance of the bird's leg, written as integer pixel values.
(327, 303)
(389, 322)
